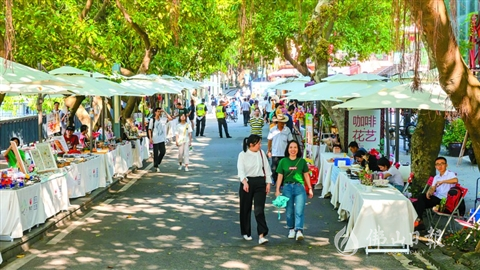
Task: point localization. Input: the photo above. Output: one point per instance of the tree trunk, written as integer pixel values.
(2, 97)
(73, 103)
(129, 108)
(337, 115)
(426, 141)
(454, 76)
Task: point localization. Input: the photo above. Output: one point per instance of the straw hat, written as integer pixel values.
(280, 116)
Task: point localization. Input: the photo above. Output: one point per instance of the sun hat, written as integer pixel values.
(281, 117)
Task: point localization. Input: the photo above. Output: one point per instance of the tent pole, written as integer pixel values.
(397, 139)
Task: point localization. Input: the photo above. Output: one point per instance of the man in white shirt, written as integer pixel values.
(278, 138)
(442, 183)
(156, 133)
(246, 111)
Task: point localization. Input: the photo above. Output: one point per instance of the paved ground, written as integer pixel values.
(189, 220)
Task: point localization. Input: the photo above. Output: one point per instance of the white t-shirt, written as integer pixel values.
(442, 190)
(396, 176)
(280, 140)
(158, 132)
(182, 131)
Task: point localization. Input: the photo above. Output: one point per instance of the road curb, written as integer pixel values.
(37, 233)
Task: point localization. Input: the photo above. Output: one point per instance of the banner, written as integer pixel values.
(364, 127)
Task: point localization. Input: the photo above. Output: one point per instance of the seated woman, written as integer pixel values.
(365, 159)
(10, 155)
(391, 173)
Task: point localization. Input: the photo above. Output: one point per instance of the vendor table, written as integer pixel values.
(136, 155)
(124, 158)
(381, 218)
(84, 177)
(326, 170)
(26, 207)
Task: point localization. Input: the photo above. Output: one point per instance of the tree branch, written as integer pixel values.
(143, 35)
(101, 13)
(149, 51)
(85, 10)
(301, 67)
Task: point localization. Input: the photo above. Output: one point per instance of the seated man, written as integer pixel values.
(353, 147)
(71, 139)
(441, 184)
(365, 159)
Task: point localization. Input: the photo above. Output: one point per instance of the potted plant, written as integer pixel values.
(366, 180)
(453, 137)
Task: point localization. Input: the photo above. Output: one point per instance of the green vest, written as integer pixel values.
(201, 108)
(220, 113)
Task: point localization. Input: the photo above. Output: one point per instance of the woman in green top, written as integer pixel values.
(10, 155)
(293, 172)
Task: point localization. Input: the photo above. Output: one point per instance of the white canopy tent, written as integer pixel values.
(430, 97)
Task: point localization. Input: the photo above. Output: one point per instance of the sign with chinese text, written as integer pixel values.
(308, 154)
(364, 127)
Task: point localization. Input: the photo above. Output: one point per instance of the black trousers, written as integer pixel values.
(157, 157)
(201, 126)
(256, 194)
(423, 203)
(222, 122)
(275, 161)
(246, 117)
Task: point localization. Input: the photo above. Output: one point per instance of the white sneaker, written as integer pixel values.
(291, 234)
(158, 170)
(299, 236)
(180, 167)
(262, 241)
(246, 237)
(186, 168)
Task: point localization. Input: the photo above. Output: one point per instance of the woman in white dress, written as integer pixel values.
(183, 139)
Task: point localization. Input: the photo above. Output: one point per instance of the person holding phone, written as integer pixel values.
(156, 133)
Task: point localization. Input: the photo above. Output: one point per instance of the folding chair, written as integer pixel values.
(407, 184)
(471, 222)
(455, 214)
(427, 185)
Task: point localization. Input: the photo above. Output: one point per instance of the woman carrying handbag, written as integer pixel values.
(255, 179)
(293, 172)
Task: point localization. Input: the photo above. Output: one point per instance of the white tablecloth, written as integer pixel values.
(326, 170)
(55, 194)
(136, 155)
(145, 148)
(21, 210)
(383, 217)
(124, 158)
(84, 177)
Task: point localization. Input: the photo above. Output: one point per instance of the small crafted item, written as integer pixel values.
(280, 202)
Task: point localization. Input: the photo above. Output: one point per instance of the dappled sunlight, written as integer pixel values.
(87, 259)
(195, 243)
(69, 251)
(148, 250)
(58, 262)
(235, 265)
(176, 228)
(298, 262)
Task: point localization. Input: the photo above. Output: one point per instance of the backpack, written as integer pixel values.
(453, 197)
(153, 126)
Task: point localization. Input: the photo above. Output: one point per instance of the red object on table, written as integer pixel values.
(314, 172)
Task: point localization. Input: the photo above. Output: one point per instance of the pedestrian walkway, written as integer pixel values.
(189, 220)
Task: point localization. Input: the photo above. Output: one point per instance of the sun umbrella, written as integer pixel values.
(68, 70)
(357, 77)
(15, 78)
(432, 97)
(96, 87)
(154, 86)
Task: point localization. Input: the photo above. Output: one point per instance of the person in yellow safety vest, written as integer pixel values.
(221, 115)
(201, 111)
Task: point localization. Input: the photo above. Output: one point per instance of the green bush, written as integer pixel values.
(455, 133)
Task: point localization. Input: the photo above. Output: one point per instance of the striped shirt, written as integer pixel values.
(256, 123)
